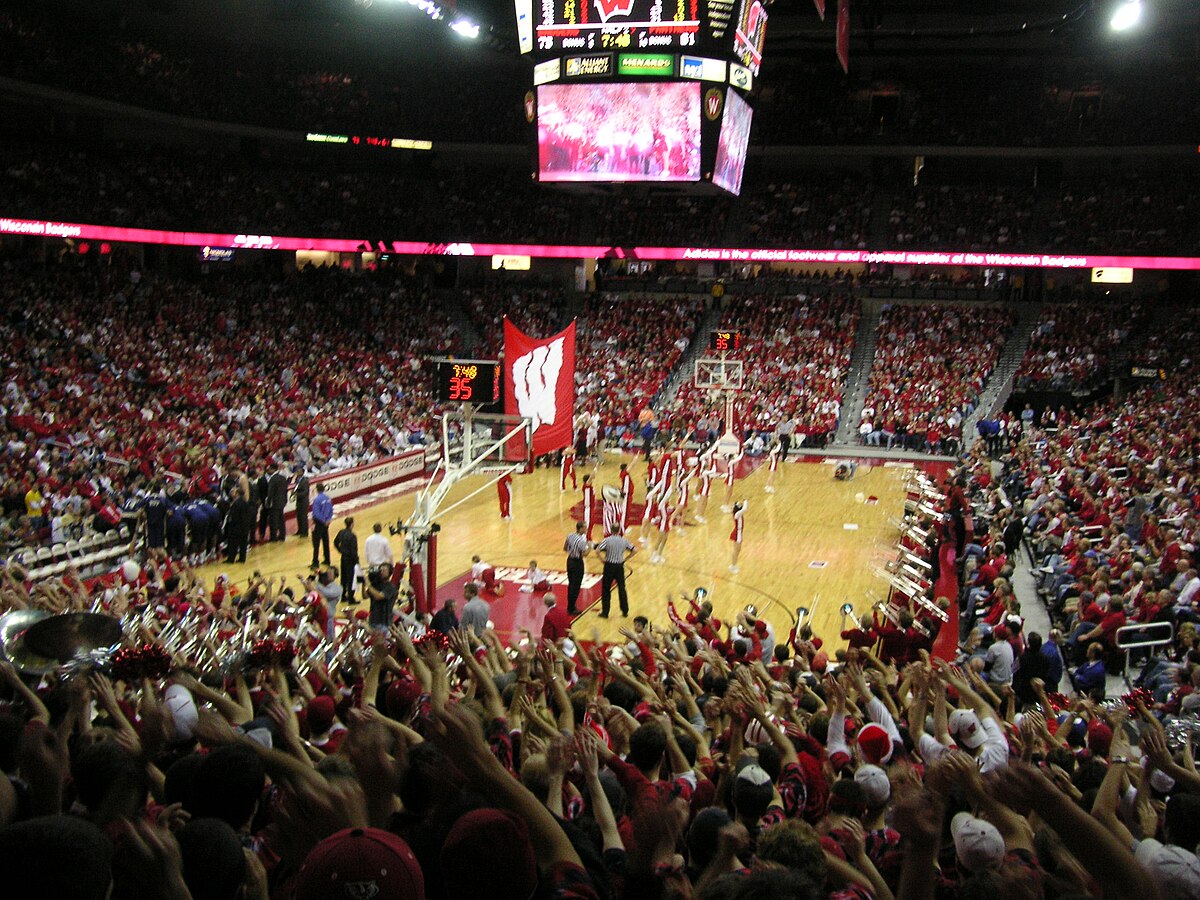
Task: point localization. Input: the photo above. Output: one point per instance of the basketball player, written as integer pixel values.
(731, 464)
(589, 497)
(626, 497)
(666, 513)
(772, 465)
(504, 493)
(567, 470)
(739, 512)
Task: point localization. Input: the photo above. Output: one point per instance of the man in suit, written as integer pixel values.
(300, 493)
(346, 544)
(264, 509)
(277, 494)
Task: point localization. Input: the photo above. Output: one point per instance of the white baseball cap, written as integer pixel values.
(964, 725)
(875, 784)
(1175, 870)
(182, 706)
(978, 843)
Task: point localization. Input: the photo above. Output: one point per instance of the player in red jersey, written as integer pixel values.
(567, 470)
(504, 493)
(739, 524)
(589, 499)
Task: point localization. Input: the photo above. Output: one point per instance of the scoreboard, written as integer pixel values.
(730, 28)
(467, 381)
(617, 25)
(642, 90)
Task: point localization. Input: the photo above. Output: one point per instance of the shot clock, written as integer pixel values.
(467, 381)
(724, 340)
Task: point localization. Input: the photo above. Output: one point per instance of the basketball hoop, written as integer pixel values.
(725, 376)
(473, 443)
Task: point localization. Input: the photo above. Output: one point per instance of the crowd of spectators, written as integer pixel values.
(1171, 349)
(834, 211)
(964, 218)
(931, 363)
(795, 357)
(1073, 345)
(537, 312)
(626, 348)
(117, 382)
(1138, 214)
(694, 757)
(445, 201)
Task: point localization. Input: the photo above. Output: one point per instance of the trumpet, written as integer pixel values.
(847, 612)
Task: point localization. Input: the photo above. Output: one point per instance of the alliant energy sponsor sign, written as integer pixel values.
(556, 251)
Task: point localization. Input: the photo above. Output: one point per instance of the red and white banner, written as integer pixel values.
(820, 4)
(843, 35)
(539, 383)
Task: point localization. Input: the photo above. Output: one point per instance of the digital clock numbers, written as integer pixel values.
(467, 381)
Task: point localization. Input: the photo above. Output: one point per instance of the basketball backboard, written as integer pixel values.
(714, 374)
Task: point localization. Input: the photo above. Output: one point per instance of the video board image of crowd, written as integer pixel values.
(733, 144)
(619, 132)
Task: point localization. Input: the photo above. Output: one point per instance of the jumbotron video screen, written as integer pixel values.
(623, 131)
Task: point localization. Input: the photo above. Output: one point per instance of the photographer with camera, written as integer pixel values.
(381, 594)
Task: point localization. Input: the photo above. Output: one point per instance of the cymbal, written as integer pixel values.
(13, 627)
(66, 636)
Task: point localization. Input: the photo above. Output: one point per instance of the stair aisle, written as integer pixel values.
(999, 386)
(859, 376)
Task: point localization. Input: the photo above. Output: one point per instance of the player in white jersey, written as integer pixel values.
(772, 465)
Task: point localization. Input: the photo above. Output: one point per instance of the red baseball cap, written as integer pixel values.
(360, 862)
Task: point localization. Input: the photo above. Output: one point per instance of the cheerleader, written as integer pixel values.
(567, 470)
(739, 512)
(704, 487)
(666, 513)
(650, 515)
(626, 498)
(731, 464)
(685, 489)
(772, 465)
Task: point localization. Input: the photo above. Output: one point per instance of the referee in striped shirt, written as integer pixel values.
(577, 546)
(614, 548)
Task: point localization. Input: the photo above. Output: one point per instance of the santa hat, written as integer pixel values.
(875, 744)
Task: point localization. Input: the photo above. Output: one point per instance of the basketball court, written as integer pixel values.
(816, 542)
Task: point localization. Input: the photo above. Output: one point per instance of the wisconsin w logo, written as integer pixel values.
(535, 383)
(609, 8)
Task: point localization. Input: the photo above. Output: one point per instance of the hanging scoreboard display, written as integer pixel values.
(642, 90)
(732, 29)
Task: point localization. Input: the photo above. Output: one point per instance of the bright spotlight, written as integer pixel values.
(465, 29)
(1127, 14)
